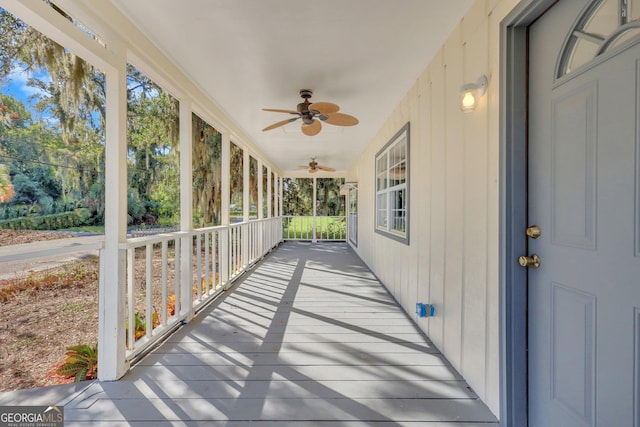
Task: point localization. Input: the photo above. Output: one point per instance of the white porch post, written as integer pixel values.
(279, 194)
(315, 192)
(269, 211)
(269, 194)
(260, 207)
(279, 181)
(225, 202)
(112, 287)
(186, 208)
(260, 179)
(246, 200)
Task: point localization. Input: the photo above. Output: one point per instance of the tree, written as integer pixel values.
(236, 181)
(153, 147)
(69, 146)
(6, 188)
(72, 96)
(207, 173)
(24, 149)
(297, 197)
(77, 89)
(329, 202)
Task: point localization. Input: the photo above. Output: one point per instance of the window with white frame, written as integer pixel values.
(392, 187)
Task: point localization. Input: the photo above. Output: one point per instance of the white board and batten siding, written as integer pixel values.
(452, 258)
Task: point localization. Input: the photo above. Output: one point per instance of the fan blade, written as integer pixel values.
(312, 129)
(282, 123)
(313, 170)
(340, 119)
(324, 107)
(326, 168)
(277, 110)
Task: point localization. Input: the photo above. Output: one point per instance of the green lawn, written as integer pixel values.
(326, 228)
(99, 229)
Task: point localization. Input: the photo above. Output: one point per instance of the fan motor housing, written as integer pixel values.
(303, 108)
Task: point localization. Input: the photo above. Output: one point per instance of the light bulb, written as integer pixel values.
(468, 102)
(470, 92)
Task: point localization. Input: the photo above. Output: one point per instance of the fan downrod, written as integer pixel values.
(303, 107)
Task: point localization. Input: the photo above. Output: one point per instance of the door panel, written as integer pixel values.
(583, 180)
(573, 172)
(573, 350)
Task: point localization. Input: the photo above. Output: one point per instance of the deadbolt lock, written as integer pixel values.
(530, 261)
(533, 231)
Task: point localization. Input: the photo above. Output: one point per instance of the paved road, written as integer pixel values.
(42, 255)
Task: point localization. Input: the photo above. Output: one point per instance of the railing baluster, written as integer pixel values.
(237, 246)
(198, 263)
(215, 259)
(205, 288)
(131, 301)
(234, 251)
(149, 287)
(212, 265)
(176, 266)
(165, 297)
(254, 232)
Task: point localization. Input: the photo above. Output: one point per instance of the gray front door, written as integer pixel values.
(583, 193)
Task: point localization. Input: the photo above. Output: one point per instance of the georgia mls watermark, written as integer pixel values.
(31, 416)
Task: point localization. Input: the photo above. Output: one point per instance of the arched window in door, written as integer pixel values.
(601, 26)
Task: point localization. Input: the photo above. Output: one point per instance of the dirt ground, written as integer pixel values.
(42, 314)
(12, 237)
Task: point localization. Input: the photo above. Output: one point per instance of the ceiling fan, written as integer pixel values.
(312, 114)
(314, 167)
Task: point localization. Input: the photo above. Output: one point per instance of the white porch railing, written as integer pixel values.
(314, 228)
(160, 296)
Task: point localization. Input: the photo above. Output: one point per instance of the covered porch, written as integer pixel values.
(323, 333)
(309, 336)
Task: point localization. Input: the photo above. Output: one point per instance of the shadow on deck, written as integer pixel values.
(308, 338)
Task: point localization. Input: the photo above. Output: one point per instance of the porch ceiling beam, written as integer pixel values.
(108, 20)
(59, 29)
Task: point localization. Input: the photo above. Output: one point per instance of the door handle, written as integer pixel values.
(533, 231)
(530, 261)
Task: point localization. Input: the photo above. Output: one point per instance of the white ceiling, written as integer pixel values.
(363, 55)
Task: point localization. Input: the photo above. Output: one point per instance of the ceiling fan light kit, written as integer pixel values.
(312, 114)
(314, 167)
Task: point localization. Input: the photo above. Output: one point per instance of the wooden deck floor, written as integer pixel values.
(309, 338)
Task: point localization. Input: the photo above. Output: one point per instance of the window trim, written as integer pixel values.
(403, 133)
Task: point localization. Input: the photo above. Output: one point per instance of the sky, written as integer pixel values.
(15, 85)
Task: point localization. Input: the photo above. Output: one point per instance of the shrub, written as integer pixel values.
(78, 217)
(81, 363)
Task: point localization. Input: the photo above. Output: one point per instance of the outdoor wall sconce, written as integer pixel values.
(471, 92)
(344, 188)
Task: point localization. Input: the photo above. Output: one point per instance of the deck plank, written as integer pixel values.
(309, 337)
